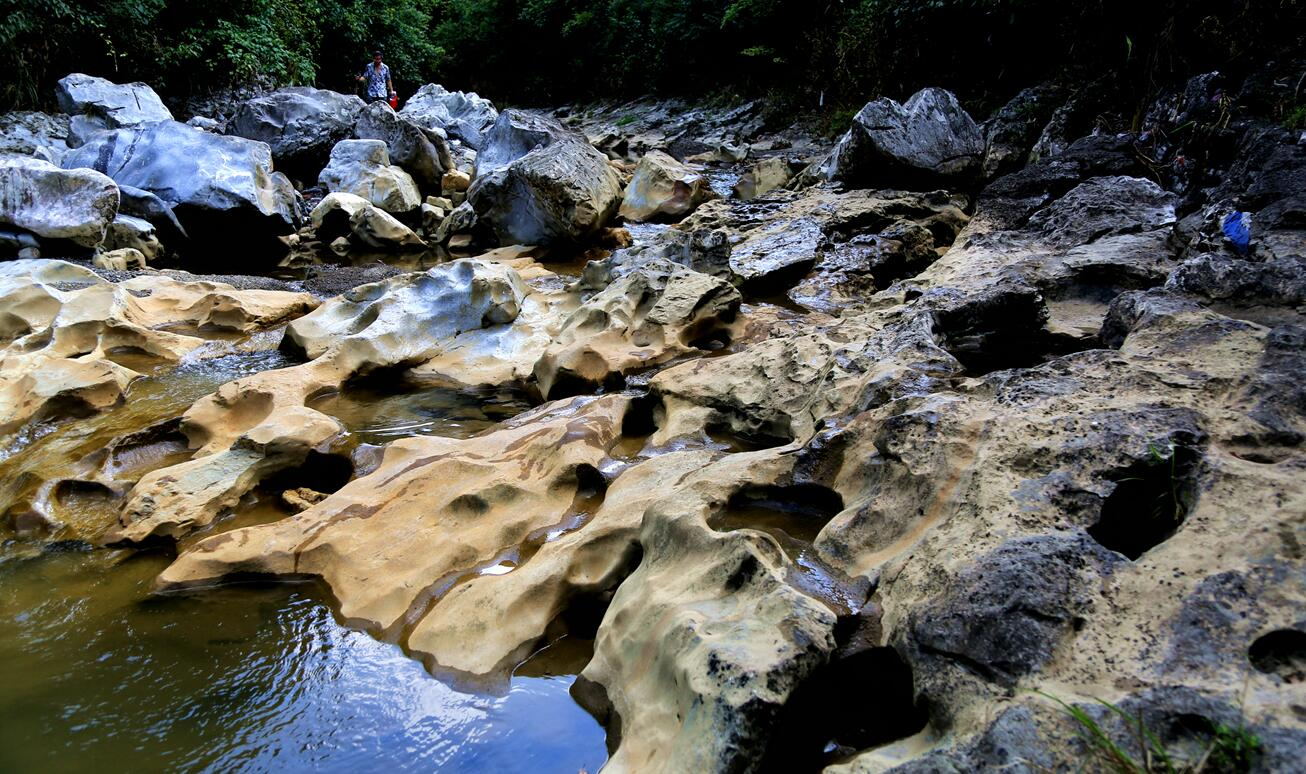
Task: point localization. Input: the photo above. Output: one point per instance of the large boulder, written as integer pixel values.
(218, 187)
(346, 215)
(423, 153)
(462, 115)
(929, 141)
(664, 189)
(96, 104)
(71, 204)
(555, 195)
(362, 168)
(516, 133)
(301, 125)
(539, 184)
(34, 134)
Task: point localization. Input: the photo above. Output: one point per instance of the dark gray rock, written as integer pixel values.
(1101, 207)
(540, 184)
(1006, 614)
(462, 115)
(142, 204)
(517, 133)
(97, 104)
(422, 153)
(220, 188)
(926, 142)
(1012, 131)
(299, 123)
(29, 133)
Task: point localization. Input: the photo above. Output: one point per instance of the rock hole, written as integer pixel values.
(320, 472)
(793, 514)
(1149, 503)
(818, 727)
(1281, 652)
(1005, 330)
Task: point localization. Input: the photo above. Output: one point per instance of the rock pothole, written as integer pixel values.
(817, 726)
(1149, 503)
(1281, 652)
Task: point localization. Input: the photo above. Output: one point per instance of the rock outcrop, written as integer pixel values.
(663, 189)
(215, 186)
(362, 168)
(928, 141)
(96, 104)
(538, 183)
(421, 152)
(299, 123)
(73, 205)
(61, 323)
(462, 115)
(347, 215)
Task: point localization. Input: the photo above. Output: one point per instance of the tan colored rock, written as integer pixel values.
(60, 322)
(344, 214)
(362, 168)
(466, 505)
(763, 177)
(641, 320)
(663, 188)
(455, 181)
(121, 259)
(258, 425)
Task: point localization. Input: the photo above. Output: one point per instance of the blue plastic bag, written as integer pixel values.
(1237, 229)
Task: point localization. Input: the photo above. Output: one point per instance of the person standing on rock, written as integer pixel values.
(377, 78)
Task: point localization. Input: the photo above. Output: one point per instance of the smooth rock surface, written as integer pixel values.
(76, 205)
(663, 189)
(362, 168)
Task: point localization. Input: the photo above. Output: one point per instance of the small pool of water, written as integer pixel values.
(95, 672)
(381, 416)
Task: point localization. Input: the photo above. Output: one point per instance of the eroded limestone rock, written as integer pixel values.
(76, 205)
(362, 168)
(663, 188)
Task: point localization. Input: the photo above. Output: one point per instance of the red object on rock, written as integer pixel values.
(394, 101)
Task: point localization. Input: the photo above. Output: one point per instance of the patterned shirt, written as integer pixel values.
(376, 80)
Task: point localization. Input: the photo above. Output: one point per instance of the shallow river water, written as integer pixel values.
(97, 673)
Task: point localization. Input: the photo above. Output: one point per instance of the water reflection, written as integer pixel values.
(95, 672)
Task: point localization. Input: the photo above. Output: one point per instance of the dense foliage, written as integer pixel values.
(808, 51)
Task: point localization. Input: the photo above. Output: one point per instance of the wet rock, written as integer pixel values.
(259, 425)
(705, 642)
(663, 189)
(61, 321)
(300, 124)
(344, 214)
(96, 104)
(362, 168)
(29, 133)
(538, 184)
(76, 205)
(215, 185)
(421, 153)
(763, 177)
(928, 141)
(463, 115)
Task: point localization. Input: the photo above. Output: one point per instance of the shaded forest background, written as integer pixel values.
(804, 54)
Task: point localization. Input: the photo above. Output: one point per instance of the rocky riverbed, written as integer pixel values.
(771, 453)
